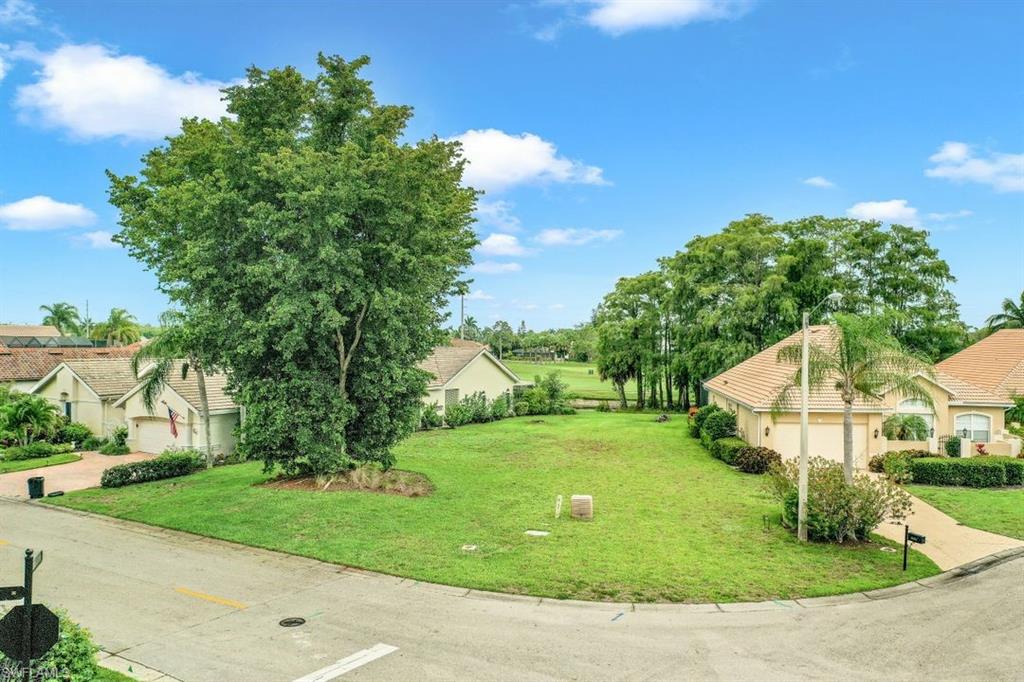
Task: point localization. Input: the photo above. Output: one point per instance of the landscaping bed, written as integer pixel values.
(671, 523)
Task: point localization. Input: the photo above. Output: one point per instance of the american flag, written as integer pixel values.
(174, 417)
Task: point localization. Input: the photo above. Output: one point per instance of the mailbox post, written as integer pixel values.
(30, 630)
(909, 537)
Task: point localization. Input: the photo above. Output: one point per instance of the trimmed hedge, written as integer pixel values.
(697, 420)
(756, 460)
(1014, 469)
(719, 424)
(972, 472)
(167, 465)
(725, 449)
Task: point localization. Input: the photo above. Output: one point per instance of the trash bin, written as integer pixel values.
(35, 487)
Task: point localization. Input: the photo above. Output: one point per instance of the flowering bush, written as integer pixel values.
(837, 511)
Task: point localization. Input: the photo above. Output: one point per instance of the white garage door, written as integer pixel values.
(824, 440)
(154, 435)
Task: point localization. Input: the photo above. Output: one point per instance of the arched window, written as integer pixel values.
(919, 408)
(977, 427)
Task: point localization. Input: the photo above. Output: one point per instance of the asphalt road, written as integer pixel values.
(199, 609)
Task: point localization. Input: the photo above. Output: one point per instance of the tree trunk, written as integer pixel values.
(345, 357)
(204, 404)
(639, 389)
(684, 391)
(848, 441)
(621, 387)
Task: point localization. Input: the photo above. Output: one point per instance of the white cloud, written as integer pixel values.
(43, 213)
(891, 211)
(15, 12)
(479, 295)
(957, 161)
(498, 214)
(621, 16)
(92, 93)
(99, 239)
(499, 244)
(953, 215)
(490, 267)
(819, 181)
(498, 160)
(575, 237)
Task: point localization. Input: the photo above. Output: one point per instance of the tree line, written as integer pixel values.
(568, 343)
(120, 328)
(728, 295)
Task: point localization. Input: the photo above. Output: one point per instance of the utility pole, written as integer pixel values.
(462, 316)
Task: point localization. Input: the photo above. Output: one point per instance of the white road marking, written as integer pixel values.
(350, 663)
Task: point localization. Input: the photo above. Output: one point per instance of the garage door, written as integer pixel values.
(824, 440)
(154, 435)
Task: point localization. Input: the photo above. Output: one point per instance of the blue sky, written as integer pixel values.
(606, 133)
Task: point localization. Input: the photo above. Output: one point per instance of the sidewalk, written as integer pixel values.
(949, 544)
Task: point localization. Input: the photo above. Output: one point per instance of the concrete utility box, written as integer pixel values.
(582, 507)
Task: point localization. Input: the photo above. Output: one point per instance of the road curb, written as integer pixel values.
(938, 581)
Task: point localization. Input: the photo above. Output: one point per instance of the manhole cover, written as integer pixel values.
(888, 549)
(292, 622)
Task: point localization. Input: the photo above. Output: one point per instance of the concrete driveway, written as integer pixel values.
(199, 609)
(79, 475)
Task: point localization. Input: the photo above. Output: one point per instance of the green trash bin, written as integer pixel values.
(35, 487)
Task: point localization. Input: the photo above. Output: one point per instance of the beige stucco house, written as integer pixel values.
(86, 390)
(151, 431)
(22, 368)
(462, 368)
(749, 389)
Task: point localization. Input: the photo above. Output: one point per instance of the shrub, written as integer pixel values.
(719, 424)
(697, 420)
(896, 466)
(430, 417)
(756, 460)
(548, 396)
(604, 406)
(725, 449)
(501, 407)
(837, 511)
(74, 432)
(168, 465)
(34, 450)
(953, 446)
(117, 445)
(905, 427)
(974, 472)
(72, 658)
(458, 414)
(93, 443)
(875, 464)
(1014, 468)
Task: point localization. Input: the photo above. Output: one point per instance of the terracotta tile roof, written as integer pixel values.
(995, 363)
(110, 378)
(32, 364)
(757, 380)
(444, 362)
(188, 389)
(28, 330)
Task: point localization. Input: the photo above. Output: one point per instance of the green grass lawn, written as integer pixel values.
(671, 523)
(108, 675)
(997, 510)
(37, 462)
(578, 375)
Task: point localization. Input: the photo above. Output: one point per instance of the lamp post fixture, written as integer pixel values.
(805, 390)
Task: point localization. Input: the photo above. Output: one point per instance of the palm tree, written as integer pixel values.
(120, 328)
(30, 416)
(1012, 316)
(860, 361)
(63, 316)
(155, 363)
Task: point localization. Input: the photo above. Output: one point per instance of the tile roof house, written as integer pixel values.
(462, 368)
(24, 367)
(152, 431)
(28, 330)
(749, 389)
(996, 363)
(86, 390)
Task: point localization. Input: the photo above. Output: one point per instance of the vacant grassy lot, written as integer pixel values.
(995, 510)
(37, 462)
(578, 375)
(671, 523)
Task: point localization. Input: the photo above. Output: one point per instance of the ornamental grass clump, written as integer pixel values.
(837, 511)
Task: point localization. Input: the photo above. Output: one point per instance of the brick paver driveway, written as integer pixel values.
(79, 475)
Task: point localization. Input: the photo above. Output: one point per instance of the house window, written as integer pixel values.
(977, 427)
(451, 396)
(919, 408)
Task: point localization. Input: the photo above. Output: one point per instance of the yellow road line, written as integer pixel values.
(4, 542)
(209, 597)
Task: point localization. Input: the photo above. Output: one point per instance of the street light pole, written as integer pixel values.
(801, 524)
(805, 391)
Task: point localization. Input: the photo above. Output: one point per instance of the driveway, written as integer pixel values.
(199, 609)
(85, 473)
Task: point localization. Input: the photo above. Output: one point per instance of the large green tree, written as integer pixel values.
(314, 249)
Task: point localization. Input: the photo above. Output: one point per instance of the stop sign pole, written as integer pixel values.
(26, 633)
